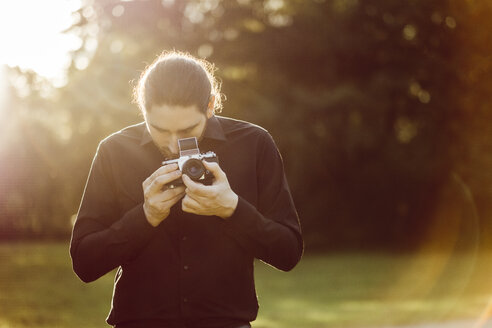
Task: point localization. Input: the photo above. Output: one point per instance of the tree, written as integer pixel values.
(375, 105)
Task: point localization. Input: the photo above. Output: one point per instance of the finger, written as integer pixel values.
(171, 193)
(167, 200)
(161, 170)
(195, 187)
(190, 205)
(164, 170)
(161, 180)
(197, 198)
(166, 195)
(215, 169)
(146, 183)
(171, 201)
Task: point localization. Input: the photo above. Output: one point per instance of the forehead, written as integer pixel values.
(174, 118)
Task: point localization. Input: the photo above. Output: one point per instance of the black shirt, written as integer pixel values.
(191, 270)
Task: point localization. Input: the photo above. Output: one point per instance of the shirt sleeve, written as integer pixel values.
(271, 230)
(102, 237)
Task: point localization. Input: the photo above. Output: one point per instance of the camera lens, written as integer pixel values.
(193, 168)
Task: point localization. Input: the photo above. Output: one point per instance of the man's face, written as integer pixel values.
(166, 124)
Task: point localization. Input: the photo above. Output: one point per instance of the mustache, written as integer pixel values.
(168, 154)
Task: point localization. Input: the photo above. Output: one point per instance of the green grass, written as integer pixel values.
(39, 289)
(373, 290)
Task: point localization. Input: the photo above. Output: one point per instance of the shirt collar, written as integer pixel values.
(213, 130)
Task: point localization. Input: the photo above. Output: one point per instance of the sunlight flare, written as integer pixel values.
(31, 35)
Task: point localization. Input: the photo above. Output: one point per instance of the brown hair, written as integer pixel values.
(177, 78)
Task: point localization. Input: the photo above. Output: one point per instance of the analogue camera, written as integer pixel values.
(190, 162)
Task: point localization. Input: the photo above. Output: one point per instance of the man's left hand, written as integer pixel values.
(217, 199)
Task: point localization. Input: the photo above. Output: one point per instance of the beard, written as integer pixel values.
(167, 153)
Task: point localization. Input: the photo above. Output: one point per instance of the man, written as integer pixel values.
(184, 254)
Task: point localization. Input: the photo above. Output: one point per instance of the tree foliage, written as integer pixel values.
(380, 108)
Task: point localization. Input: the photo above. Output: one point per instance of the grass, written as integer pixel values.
(39, 289)
(373, 290)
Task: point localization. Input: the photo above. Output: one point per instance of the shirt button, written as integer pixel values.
(186, 267)
(184, 238)
(185, 300)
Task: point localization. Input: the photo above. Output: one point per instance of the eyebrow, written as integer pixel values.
(181, 130)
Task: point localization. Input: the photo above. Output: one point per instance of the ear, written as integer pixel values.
(210, 106)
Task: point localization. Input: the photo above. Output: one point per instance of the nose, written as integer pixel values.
(173, 144)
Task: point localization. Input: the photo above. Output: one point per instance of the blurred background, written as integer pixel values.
(380, 108)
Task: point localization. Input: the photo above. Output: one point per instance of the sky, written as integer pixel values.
(31, 35)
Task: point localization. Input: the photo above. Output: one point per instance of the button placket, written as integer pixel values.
(185, 267)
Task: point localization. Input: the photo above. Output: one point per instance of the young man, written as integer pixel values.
(184, 253)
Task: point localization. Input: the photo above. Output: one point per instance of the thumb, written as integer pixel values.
(215, 169)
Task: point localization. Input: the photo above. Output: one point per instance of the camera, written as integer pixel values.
(190, 162)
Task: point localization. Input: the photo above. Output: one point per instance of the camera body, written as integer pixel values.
(190, 162)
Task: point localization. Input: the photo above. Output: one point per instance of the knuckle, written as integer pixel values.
(150, 188)
(152, 203)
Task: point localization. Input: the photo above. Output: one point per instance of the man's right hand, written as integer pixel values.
(158, 198)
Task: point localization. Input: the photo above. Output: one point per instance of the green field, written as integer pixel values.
(39, 289)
